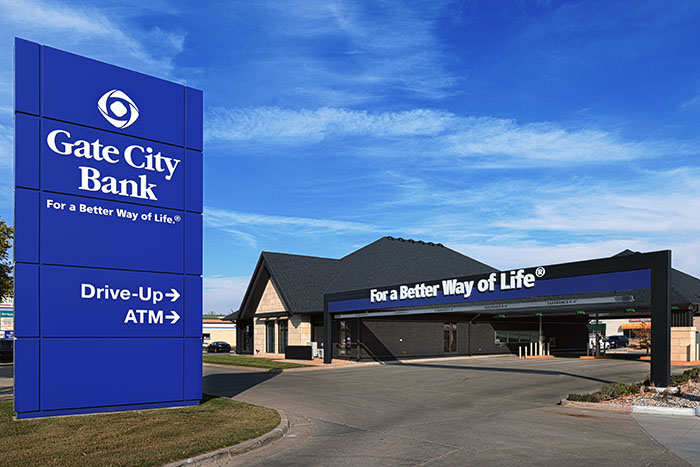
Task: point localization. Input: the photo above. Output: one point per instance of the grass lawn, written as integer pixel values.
(244, 360)
(149, 437)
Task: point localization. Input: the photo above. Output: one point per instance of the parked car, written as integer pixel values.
(219, 346)
(618, 341)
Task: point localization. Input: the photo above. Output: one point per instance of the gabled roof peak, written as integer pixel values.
(410, 240)
(627, 252)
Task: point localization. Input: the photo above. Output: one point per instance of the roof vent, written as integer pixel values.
(389, 237)
(410, 240)
(401, 239)
(421, 242)
(441, 245)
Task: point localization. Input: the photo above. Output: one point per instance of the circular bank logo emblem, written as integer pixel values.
(118, 108)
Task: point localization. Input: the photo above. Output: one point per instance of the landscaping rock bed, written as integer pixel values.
(684, 393)
(688, 395)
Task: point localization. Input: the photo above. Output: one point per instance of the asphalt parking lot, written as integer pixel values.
(492, 411)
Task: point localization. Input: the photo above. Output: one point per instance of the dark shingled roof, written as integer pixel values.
(301, 281)
(391, 261)
(685, 289)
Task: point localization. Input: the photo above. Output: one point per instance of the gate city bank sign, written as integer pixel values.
(108, 237)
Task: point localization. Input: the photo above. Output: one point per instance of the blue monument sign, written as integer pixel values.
(108, 237)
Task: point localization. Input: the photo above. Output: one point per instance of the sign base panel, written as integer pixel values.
(103, 409)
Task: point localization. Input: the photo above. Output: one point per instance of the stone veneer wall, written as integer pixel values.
(298, 326)
(269, 303)
(683, 348)
(299, 330)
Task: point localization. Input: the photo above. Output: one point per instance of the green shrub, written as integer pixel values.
(678, 379)
(692, 374)
(615, 390)
(594, 397)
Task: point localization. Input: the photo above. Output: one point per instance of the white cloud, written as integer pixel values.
(308, 126)
(654, 203)
(640, 204)
(546, 141)
(691, 104)
(379, 49)
(223, 294)
(6, 138)
(516, 222)
(526, 253)
(249, 228)
(94, 32)
(407, 54)
(486, 141)
(223, 218)
(247, 238)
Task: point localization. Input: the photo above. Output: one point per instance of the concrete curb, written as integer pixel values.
(355, 364)
(683, 411)
(442, 359)
(249, 368)
(240, 448)
(283, 370)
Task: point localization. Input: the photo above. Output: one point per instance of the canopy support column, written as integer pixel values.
(327, 335)
(661, 319)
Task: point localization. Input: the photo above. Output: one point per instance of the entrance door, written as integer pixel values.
(270, 337)
(450, 337)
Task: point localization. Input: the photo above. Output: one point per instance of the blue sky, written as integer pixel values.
(517, 132)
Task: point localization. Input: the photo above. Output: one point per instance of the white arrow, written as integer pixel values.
(173, 317)
(173, 295)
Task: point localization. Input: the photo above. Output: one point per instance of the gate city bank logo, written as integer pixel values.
(118, 108)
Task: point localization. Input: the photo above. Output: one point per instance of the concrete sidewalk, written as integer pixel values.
(678, 434)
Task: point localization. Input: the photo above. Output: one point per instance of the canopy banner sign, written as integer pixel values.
(606, 284)
(530, 283)
(108, 237)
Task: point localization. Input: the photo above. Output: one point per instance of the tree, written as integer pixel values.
(6, 236)
(643, 333)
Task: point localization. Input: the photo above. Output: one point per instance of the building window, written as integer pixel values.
(450, 337)
(270, 337)
(206, 336)
(282, 345)
(516, 337)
